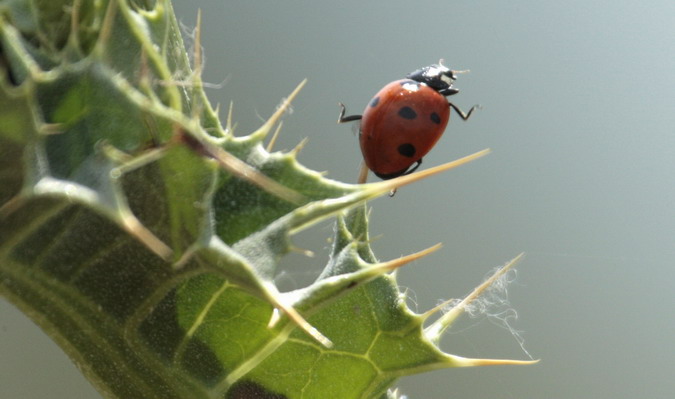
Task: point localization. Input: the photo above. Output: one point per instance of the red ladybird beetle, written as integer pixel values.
(404, 120)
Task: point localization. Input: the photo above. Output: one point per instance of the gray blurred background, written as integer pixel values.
(579, 109)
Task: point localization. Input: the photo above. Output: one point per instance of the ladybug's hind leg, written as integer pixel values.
(414, 168)
(407, 172)
(461, 113)
(363, 174)
(342, 118)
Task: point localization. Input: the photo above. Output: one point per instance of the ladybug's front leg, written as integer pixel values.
(461, 113)
(342, 118)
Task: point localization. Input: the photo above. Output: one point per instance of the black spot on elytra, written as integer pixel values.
(435, 118)
(407, 113)
(407, 150)
(375, 101)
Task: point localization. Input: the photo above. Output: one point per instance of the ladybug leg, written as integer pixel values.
(461, 113)
(342, 118)
(417, 165)
(407, 172)
(363, 173)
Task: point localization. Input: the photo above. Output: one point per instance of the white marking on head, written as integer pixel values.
(436, 70)
(411, 86)
(447, 79)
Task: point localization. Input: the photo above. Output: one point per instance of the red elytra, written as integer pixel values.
(400, 125)
(404, 120)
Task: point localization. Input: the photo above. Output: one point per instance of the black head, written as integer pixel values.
(437, 76)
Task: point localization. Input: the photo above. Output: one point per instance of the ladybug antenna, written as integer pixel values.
(453, 74)
(441, 63)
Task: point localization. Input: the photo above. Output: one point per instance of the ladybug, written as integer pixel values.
(404, 120)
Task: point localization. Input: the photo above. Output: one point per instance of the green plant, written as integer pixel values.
(143, 237)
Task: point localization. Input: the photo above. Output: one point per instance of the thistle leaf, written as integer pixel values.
(144, 238)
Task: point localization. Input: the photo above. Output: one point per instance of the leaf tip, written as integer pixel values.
(281, 109)
(393, 184)
(404, 260)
